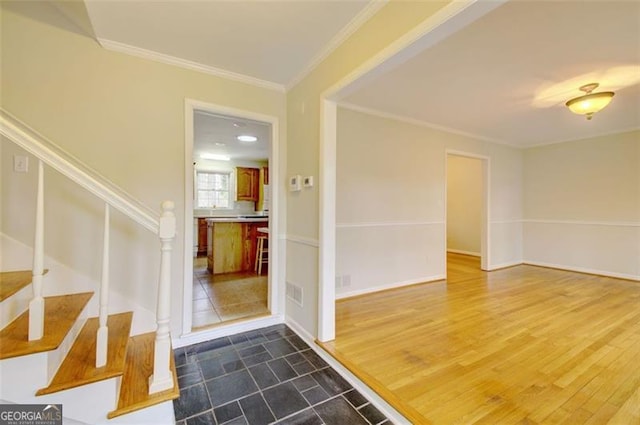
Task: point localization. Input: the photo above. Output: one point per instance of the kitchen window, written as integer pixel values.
(213, 189)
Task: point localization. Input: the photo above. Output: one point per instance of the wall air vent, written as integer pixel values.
(294, 293)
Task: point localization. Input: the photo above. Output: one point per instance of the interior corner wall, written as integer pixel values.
(464, 204)
(391, 202)
(582, 205)
(391, 22)
(124, 117)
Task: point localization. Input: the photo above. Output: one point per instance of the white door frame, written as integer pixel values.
(485, 228)
(191, 105)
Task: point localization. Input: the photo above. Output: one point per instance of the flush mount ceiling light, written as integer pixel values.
(590, 103)
(215, 157)
(245, 138)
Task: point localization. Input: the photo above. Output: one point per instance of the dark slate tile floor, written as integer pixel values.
(261, 377)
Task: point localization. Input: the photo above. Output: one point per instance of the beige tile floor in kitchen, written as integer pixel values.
(226, 297)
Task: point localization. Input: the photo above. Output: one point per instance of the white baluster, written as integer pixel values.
(103, 332)
(162, 378)
(36, 305)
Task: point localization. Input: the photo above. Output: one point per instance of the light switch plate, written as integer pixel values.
(308, 181)
(20, 163)
(295, 183)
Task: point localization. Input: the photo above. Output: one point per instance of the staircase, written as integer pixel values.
(50, 351)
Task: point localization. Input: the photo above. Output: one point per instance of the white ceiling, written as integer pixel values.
(268, 41)
(217, 134)
(506, 76)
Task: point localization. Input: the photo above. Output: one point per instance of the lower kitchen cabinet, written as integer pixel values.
(231, 247)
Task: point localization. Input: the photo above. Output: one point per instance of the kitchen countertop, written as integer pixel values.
(236, 219)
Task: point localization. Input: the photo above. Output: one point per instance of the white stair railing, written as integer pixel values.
(164, 226)
(36, 305)
(162, 378)
(102, 336)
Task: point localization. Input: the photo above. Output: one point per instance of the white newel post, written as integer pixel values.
(36, 305)
(102, 336)
(162, 378)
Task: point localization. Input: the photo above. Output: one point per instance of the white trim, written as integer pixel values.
(590, 136)
(583, 270)
(116, 46)
(327, 239)
(68, 165)
(493, 267)
(221, 331)
(274, 305)
(389, 223)
(302, 240)
(460, 251)
(584, 223)
(513, 221)
(347, 31)
(388, 286)
(421, 123)
(385, 408)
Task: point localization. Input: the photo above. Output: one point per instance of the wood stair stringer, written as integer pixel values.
(78, 367)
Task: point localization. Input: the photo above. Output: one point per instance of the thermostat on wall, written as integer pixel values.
(295, 183)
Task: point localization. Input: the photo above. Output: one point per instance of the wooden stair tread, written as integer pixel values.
(79, 367)
(134, 388)
(12, 282)
(60, 312)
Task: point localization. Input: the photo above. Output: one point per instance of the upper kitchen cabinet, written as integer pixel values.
(247, 183)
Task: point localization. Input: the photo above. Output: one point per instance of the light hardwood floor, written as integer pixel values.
(523, 345)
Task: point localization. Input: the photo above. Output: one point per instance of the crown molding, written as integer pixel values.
(591, 136)
(347, 31)
(421, 123)
(186, 64)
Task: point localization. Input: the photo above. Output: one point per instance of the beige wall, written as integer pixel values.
(121, 115)
(303, 105)
(582, 205)
(464, 204)
(391, 201)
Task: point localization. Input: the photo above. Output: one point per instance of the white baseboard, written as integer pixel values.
(392, 414)
(460, 251)
(221, 331)
(583, 270)
(499, 266)
(390, 286)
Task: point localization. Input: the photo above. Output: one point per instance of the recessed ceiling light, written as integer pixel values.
(239, 124)
(220, 144)
(215, 157)
(246, 138)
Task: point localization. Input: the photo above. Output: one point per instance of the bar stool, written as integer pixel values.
(262, 249)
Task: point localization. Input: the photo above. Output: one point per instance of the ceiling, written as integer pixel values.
(273, 42)
(217, 134)
(506, 76)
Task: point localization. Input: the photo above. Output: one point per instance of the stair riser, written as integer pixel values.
(15, 305)
(56, 357)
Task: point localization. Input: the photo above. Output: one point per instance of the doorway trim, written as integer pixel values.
(275, 307)
(485, 228)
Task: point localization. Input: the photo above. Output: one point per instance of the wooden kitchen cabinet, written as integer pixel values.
(232, 247)
(247, 183)
(265, 170)
(202, 237)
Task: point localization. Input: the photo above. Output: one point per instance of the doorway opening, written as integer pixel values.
(229, 216)
(466, 213)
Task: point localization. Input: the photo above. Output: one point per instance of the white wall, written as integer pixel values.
(391, 201)
(124, 117)
(464, 204)
(582, 205)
